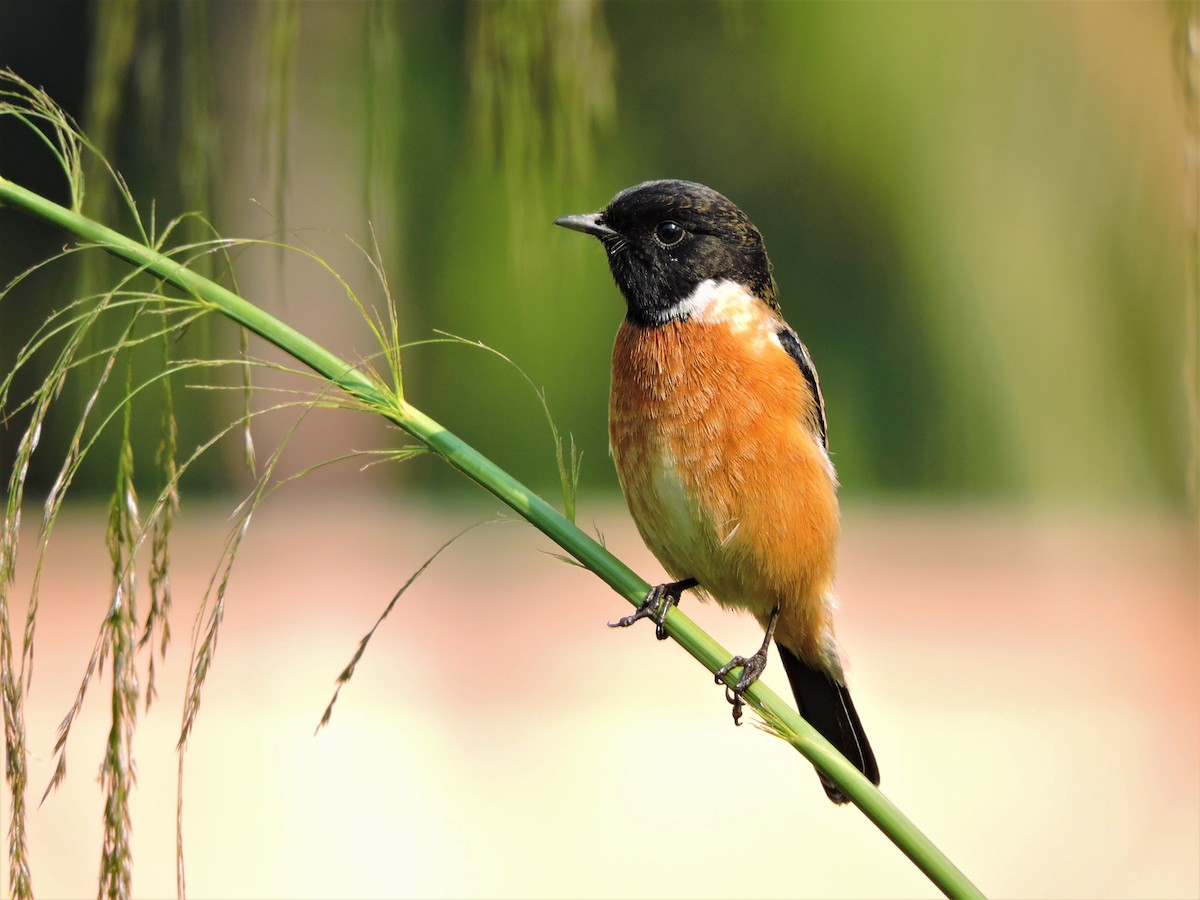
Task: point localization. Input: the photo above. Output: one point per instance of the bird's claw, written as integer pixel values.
(752, 668)
(659, 600)
(655, 605)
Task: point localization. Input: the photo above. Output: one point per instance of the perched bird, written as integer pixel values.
(717, 429)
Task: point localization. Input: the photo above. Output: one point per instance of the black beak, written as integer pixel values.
(588, 223)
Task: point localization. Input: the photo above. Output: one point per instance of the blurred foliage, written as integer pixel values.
(974, 210)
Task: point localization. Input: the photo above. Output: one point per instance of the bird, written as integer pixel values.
(718, 434)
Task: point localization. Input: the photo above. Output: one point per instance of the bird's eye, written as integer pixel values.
(668, 233)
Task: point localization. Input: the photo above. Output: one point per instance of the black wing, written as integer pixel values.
(798, 352)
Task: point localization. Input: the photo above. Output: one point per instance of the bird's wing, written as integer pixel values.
(799, 353)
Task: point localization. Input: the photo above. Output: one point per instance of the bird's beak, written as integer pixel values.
(588, 223)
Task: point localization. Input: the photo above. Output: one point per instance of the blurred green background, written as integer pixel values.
(979, 214)
(982, 219)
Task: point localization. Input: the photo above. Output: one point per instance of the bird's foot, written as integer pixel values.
(660, 598)
(752, 667)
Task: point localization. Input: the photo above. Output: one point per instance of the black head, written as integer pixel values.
(663, 238)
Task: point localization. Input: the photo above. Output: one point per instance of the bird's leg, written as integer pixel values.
(660, 598)
(752, 667)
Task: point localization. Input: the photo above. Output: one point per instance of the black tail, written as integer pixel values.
(827, 707)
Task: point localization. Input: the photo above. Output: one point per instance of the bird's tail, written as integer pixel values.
(827, 707)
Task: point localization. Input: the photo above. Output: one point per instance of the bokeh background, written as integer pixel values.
(982, 219)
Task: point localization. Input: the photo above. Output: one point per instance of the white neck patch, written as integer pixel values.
(720, 301)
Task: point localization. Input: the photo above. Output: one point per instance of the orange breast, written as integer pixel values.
(725, 481)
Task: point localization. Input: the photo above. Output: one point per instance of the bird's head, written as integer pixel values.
(666, 238)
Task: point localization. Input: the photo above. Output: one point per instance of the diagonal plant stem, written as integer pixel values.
(373, 395)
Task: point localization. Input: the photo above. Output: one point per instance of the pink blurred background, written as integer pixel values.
(1029, 683)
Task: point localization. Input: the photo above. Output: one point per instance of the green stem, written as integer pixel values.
(940, 870)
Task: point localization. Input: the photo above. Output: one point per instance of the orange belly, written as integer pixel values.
(726, 482)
